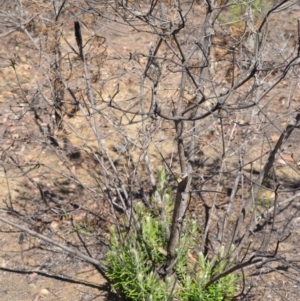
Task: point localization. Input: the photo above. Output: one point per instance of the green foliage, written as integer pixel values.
(265, 198)
(80, 229)
(165, 192)
(193, 287)
(131, 262)
(136, 256)
(162, 179)
(237, 9)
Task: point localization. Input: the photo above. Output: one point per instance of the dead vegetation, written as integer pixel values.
(97, 97)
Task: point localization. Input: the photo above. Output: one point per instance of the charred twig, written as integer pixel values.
(78, 37)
